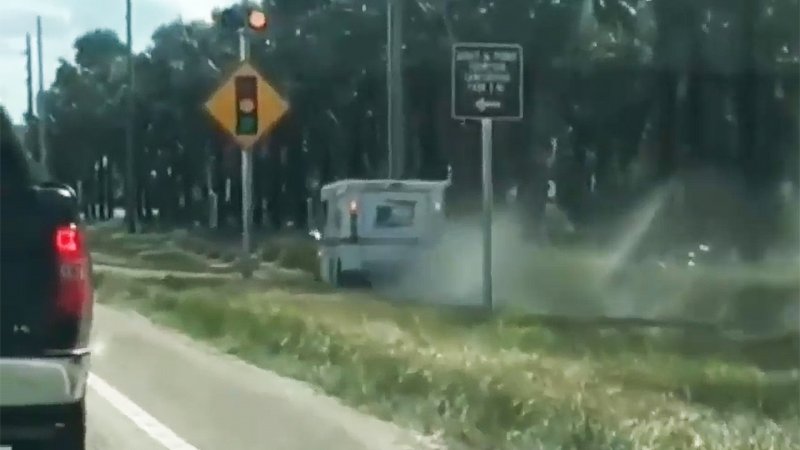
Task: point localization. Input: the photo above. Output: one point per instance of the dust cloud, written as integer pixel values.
(609, 281)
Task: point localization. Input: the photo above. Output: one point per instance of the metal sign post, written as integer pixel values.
(486, 85)
(488, 196)
(247, 182)
(246, 106)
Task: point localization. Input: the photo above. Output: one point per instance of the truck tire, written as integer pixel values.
(351, 278)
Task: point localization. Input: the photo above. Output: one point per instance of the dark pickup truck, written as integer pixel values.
(46, 301)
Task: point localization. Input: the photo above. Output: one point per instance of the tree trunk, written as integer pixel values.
(666, 160)
(752, 160)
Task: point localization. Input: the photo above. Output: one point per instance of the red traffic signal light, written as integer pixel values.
(235, 18)
(257, 20)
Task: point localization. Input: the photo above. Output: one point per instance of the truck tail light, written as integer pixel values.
(74, 290)
(353, 221)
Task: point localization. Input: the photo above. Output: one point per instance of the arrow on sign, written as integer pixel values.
(482, 104)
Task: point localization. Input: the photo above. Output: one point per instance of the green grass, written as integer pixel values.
(148, 251)
(192, 253)
(288, 251)
(588, 283)
(499, 382)
(509, 380)
(122, 244)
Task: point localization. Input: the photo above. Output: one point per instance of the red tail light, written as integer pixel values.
(74, 291)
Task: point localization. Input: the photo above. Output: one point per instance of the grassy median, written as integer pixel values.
(499, 382)
(183, 251)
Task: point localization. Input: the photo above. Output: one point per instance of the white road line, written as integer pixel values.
(138, 416)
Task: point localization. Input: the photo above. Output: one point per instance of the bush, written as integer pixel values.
(270, 251)
(299, 255)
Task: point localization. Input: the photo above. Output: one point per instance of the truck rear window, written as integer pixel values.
(395, 213)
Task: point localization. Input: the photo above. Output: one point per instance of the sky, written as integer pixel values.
(63, 21)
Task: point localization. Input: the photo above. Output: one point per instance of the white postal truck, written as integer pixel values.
(372, 229)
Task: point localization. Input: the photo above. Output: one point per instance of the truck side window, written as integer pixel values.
(394, 214)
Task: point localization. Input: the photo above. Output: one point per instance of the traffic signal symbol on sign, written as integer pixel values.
(246, 100)
(246, 106)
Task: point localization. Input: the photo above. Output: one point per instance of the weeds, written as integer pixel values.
(491, 384)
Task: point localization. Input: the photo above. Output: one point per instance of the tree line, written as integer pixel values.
(622, 97)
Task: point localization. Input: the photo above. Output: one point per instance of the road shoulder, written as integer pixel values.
(215, 400)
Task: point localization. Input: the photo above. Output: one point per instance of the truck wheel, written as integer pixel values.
(73, 435)
(318, 274)
(339, 282)
(331, 272)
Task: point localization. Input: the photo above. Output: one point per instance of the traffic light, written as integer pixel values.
(257, 20)
(235, 18)
(246, 105)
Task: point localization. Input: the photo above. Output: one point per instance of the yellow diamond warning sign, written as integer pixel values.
(246, 105)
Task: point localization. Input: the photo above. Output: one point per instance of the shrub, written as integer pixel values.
(299, 255)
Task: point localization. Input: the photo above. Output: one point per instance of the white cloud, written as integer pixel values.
(63, 21)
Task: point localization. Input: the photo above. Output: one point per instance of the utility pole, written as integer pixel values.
(29, 72)
(40, 106)
(394, 88)
(131, 209)
(247, 174)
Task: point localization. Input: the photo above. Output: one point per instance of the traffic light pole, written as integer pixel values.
(247, 181)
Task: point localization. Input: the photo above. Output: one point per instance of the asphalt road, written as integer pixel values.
(152, 388)
(109, 428)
